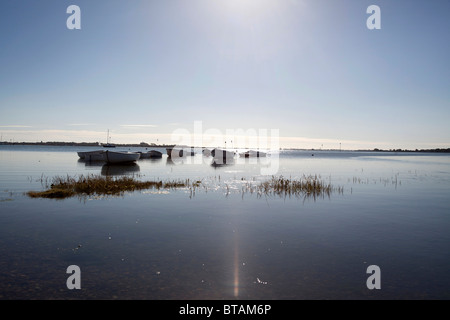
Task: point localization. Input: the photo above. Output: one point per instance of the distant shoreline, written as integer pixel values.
(146, 145)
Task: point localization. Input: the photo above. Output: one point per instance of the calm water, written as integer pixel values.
(221, 242)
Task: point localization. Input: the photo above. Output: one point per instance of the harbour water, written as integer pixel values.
(223, 242)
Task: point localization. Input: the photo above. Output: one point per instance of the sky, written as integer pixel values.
(309, 69)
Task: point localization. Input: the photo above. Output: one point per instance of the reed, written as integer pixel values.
(306, 186)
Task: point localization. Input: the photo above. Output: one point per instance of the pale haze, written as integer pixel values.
(308, 68)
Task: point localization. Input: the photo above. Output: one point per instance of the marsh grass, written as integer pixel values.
(94, 185)
(65, 187)
(304, 187)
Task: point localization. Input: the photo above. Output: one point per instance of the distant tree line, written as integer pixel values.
(416, 150)
(82, 144)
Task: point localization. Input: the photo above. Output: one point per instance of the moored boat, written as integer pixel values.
(252, 154)
(152, 154)
(155, 154)
(174, 152)
(222, 156)
(108, 144)
(144, 155)
(120, 157)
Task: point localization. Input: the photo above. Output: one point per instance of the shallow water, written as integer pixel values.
(222, 243)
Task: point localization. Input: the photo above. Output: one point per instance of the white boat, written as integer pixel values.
(174, 152)
(252, 154)
(108, 144)
(91, 155)
(222, 156)
(120, 157)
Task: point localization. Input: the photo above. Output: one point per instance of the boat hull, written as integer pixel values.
(120, 157)
(144, 155)
(155, 154)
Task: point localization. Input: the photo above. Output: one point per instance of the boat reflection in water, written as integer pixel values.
(93, 164)
(218, 163)
(120, 169)
(154, 160)
(175, 161)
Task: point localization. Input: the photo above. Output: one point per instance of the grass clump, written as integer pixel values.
(52, 193)
(65, 187)
(307, 186)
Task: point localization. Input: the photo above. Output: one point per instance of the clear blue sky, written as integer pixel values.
(310, 68)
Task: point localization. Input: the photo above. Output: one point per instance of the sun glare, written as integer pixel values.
(249, 8)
